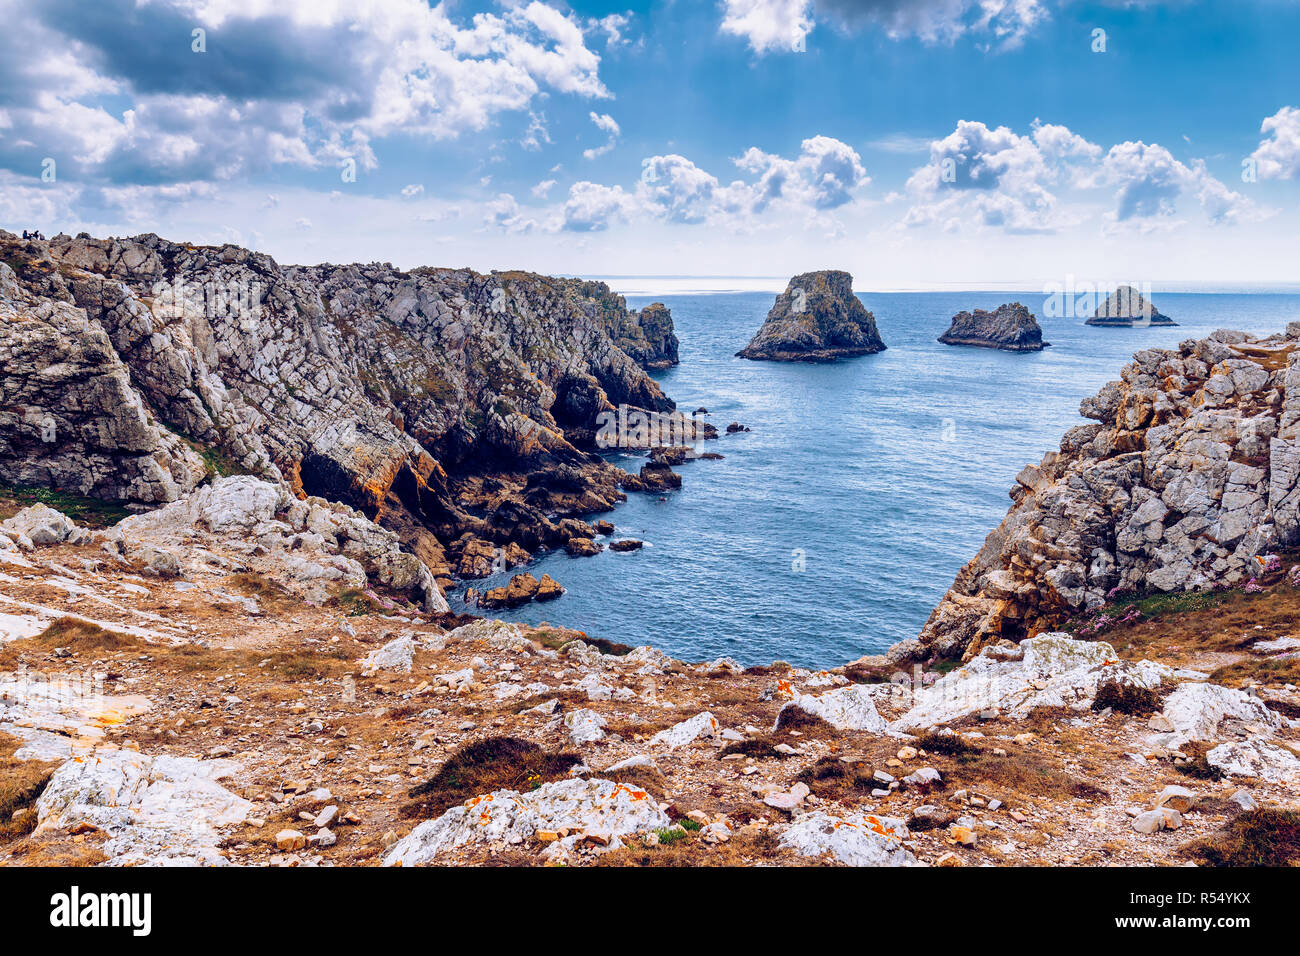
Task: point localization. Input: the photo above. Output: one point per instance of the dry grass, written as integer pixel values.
(1023, 772)
(832, 779)
(692, 851)
(495, 763)
(1197, 766)
(1265, 837)
(1126, 699)
(21, 782)
(1261, 670)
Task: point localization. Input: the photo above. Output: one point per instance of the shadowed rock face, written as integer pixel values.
(435, 400)
(1189, 471)
(1126, 307)
(648, 337)
(816, 319)
(1009, 327)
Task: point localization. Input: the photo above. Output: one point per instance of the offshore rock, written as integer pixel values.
(1127, 308)
(1009, 327)
(816, 319)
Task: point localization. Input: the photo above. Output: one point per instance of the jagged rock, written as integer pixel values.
(602, 808)
(137, 369)
(521, 589)
(1009, 327)
(688, 731)
(852, 839)
(584, 726)
(1192, 470)
(581, 547)
(157, 810)
(659, 476)
(847, 708)
(548, 589)
(1258, 758)
(398, 655)
(40, 525)
(816, 319)
(626, 544)
(304, 544)
(1127, 307)
(1056, 671)
(1199, 712)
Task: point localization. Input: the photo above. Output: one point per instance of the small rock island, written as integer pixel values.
(1010, 327)
(1126, 308)
(816, 319)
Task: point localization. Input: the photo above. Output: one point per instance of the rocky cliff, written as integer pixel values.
(816, 319)
(1189, 472)
(1126, 307)
(446, 404)
(1009, 327)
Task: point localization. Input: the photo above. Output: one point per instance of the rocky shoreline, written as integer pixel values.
(262, 668)
(459, 410)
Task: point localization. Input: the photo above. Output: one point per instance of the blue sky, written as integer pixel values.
(916, 143)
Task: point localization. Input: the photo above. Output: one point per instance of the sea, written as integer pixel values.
(833, 526)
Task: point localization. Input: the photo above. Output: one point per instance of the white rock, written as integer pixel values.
(846, 708)
(585, 726)
(853, 839)
(1055, 671)
(1256, 757)
(398, 655)
(1197, 712)
(43, 526)
(679, 735)
(508, 817)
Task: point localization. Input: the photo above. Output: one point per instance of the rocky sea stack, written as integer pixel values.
(453, 408)
(1009, 327)
(816, 319)
(1126, 308)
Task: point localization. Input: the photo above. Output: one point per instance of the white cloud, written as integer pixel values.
(769, 25)
(301, 82)
(504, 213)
(1278, 156)
(783, 25)
(607, 124)
(413, 191)
(1151, 182)
(543, 189)
(592, 207)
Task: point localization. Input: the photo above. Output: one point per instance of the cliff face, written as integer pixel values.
(648, 336)
(134, 369)
(1009, 327)
(816, 319)
(1190, 471)
(1126, 307)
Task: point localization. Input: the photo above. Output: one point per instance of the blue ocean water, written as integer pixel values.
(883, 473)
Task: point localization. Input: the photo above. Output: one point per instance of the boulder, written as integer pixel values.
(602, 808)
(851, 839)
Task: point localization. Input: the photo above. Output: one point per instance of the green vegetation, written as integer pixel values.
(89, 512)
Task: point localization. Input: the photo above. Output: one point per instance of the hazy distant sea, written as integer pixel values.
(879, 476)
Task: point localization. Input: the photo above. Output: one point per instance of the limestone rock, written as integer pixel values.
(398, 656)
(506, 817)
(852, 839)
(1259, 758)
(846, 708)
(688, 731)
(42, 525)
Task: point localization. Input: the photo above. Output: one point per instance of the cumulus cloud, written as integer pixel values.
(504, 213)
(1000, 179)
(772, 25)
(1278, 156)
(1150, 182)
(824, 176)
(302, 82)
(592, 207)
(607, 124)
(768, 25)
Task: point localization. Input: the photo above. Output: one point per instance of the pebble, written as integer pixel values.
(290, 840)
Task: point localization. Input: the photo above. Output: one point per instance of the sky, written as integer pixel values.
(915, 143)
